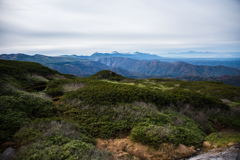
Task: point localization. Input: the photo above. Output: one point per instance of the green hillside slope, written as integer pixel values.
(65, 119)
(18, 107)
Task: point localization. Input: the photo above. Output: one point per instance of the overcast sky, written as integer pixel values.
(82, 27)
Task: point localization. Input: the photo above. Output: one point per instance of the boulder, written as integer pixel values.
(8, 154)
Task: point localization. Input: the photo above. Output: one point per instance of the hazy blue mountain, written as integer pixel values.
(235, 63)
(156, 67)
(69, 64)
(37, 58)
(135, 55)
(229, 62)
(130, 67)
(211, 55)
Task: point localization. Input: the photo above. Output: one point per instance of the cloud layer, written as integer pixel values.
(83, 27)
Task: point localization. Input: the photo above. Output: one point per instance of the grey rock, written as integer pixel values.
(238, 156)
(231, 153)
(8, 154)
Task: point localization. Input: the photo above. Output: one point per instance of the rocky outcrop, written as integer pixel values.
(227, 153)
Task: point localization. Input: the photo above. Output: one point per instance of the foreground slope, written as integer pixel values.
(155, 113)
(27, 117)
(18, 107)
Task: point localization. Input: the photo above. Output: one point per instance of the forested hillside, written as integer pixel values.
(48, 115)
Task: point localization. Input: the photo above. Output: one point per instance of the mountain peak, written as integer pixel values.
(115, 52)
(135, 55)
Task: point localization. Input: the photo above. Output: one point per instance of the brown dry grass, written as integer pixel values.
(124, 148)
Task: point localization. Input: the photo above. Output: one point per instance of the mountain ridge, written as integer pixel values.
(166, 68)
(135, 55)
(132, 68)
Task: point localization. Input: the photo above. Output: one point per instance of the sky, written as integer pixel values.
(82, 27)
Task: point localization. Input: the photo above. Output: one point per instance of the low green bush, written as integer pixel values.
(24, 74)
(17, 111)
(184, 131)
(227, 121)
(213, 89)
(110, 121)
(145, 123)
(197, 100)
(55, 92)
(107, 74)
(10, 122)
(56, 139)
(60, 86)
(111, 94)
(46, 127)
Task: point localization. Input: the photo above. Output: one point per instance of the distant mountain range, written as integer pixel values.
(135, 55)
(230, 62)
(81, 67)
(178, 68)
(137, 65)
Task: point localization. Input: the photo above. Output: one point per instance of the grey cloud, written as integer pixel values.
(129, 25)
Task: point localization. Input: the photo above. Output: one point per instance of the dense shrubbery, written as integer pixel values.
(18, 107)
(152, 112)
(26, 74)
(11, 67)
(59, 87)
(110, 94)
(196, 100)
(226, 120)
(13, 72)
(107, 110)
(114, 121)
(57, 139)
(17, 111)
(109, 121)
(179, 129)
(104, 93)
(214, 89)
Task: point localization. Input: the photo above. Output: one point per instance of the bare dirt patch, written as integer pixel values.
(124, 148)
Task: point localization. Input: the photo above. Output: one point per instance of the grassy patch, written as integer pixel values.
(141, 85)
(223, 138)
(234, 104)
(117, 82)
